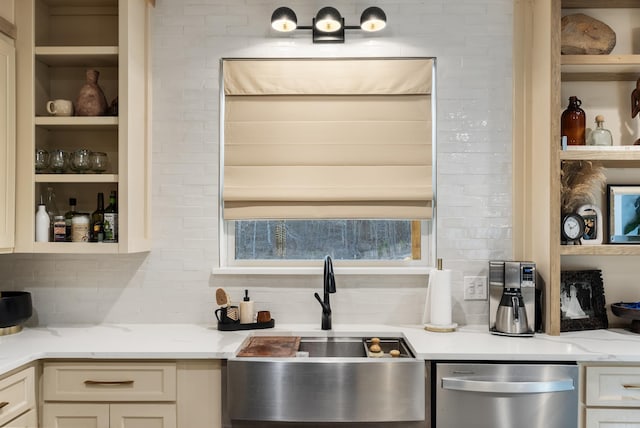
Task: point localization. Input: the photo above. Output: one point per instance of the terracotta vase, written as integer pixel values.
(91, 100)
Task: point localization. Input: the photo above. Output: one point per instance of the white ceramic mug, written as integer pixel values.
(60, 108)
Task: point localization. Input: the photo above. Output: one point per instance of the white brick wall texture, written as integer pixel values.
(471, 40)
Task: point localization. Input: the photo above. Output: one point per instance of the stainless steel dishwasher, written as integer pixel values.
(484, 395)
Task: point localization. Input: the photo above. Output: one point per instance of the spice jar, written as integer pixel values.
(80, 227)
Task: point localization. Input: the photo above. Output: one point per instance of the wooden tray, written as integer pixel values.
(270, 346)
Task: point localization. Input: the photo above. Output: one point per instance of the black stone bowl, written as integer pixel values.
(15, 308)
(622, 310)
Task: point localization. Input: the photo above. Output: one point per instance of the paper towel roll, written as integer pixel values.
(440, 296)
(426, 315)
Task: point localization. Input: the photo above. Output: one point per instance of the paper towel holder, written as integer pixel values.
(440, 279)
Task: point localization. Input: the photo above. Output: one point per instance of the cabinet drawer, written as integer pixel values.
(17, 394)
(109, 381)
(28, 420)
(613, 386)
(612, 418)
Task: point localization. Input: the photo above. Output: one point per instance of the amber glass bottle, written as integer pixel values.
(573, 123)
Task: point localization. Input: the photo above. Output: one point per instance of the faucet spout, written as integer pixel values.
(329, 288)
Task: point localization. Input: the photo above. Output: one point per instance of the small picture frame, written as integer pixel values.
(582, 302)
(593, 224)
(624, 213)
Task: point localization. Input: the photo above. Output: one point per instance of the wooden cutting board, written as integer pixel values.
(271, 346)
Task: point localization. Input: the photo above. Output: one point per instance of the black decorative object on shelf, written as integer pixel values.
(582, 302)
(629, 311)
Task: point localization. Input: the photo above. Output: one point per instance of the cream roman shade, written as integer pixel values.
(327, 139)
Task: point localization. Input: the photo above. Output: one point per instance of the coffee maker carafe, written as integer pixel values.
(512, 291)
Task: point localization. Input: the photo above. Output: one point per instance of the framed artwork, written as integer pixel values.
(582, 302)
(624, 214)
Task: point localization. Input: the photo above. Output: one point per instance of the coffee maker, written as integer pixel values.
(512, 298)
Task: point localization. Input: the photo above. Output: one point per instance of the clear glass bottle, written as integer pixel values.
(52, 209)
(600, 136)
(97, 221)
(68, 216)
(573, 123)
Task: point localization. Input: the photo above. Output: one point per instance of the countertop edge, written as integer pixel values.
(198, 342)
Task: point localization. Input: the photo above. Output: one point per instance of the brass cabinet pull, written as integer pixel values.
(4, 404)
(631, 386)
(108, 382)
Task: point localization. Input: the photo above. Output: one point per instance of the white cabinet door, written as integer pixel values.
(75, 415)
(612, 418)
(7, 144)
(143, 416)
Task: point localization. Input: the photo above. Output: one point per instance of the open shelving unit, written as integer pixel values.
(604, 83)
(60, 40)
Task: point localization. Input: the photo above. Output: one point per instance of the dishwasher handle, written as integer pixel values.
(505, 387)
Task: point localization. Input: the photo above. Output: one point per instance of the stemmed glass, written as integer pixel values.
(80, 161)
(41, 161)
(58, 161)
(98, 161)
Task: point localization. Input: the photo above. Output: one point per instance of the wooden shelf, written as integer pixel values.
(579, 68)
(76, 178)
(82, 3)
(600, 250)
(75, 247)
(587, 4)
(618, 154)
(77, 122)
(78, 56)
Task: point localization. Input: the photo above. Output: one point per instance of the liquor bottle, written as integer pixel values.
(600, 136)
(43, 223)
(52, 209)
(573, 123)
(68, 216)
(111, 219)
(97, 221)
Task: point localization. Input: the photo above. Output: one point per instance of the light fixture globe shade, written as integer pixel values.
(284, 19)
(373, 19)
(328, 20)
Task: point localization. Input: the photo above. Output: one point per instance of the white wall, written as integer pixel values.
(173, 283)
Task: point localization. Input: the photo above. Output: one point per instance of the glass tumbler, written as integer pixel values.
(41, 160)
(98, 161)
(58, 161)
(80, 161)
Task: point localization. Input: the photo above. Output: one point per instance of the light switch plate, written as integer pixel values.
(475, 288)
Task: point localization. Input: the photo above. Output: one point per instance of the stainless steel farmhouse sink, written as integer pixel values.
(331, 380)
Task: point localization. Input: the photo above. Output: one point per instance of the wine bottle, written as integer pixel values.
(111, 219)
(68, 216)
(97, 221)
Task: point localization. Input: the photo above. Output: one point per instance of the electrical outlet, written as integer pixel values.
(475, 288)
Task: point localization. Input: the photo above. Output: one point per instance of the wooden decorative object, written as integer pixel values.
(582, 34)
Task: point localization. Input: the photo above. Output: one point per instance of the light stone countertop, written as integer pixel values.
(190, 341)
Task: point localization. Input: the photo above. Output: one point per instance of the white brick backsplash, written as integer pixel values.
(173, 283)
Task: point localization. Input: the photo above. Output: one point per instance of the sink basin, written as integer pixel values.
(350, 347)
(337, 381)
(333, 346)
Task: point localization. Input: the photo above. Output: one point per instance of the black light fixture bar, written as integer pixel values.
(328, 26)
